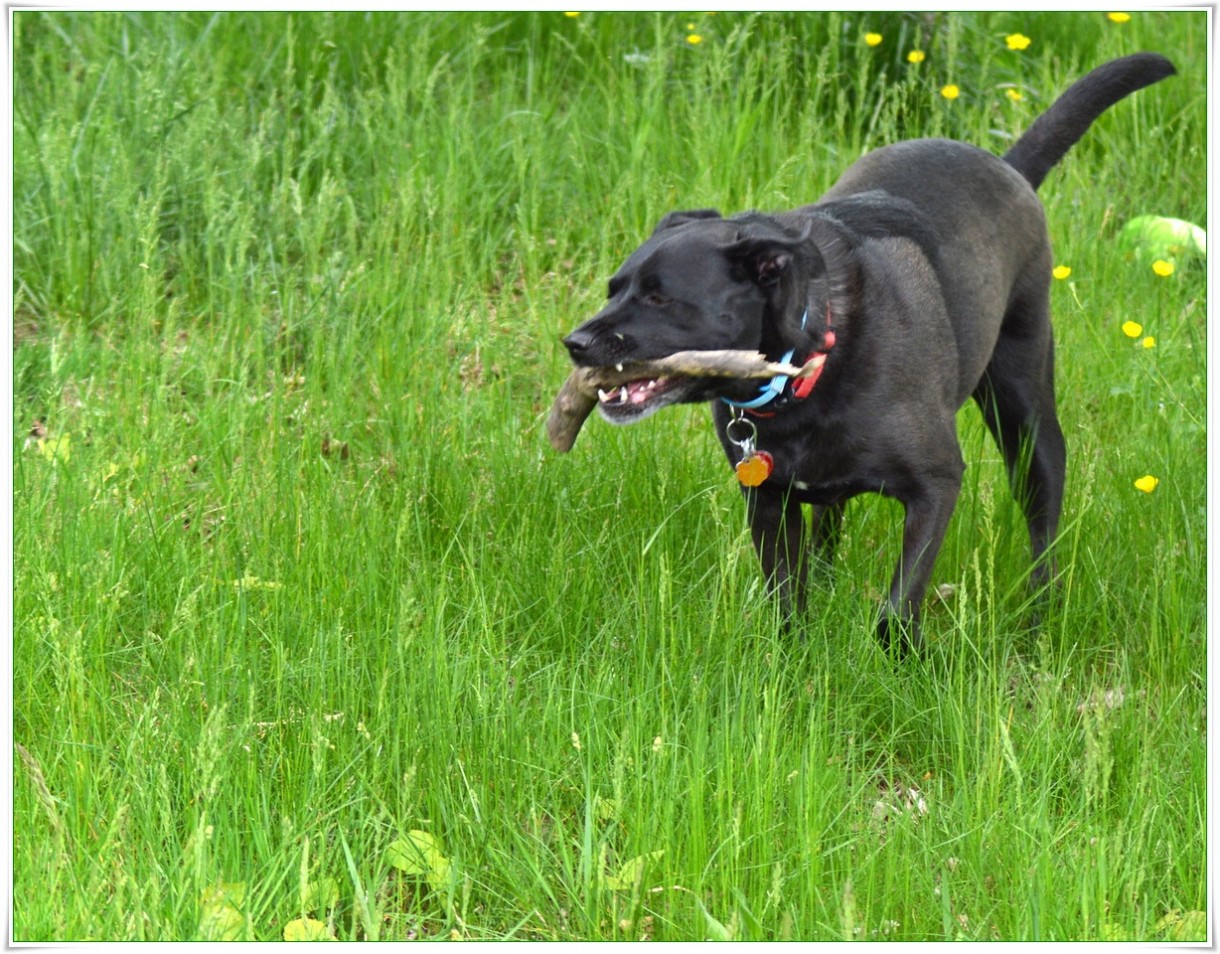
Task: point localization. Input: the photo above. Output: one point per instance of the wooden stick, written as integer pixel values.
(578, 396)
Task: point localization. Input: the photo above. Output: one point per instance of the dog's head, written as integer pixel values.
(704, 283)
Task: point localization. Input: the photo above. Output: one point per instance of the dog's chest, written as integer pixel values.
(825, 481)
(822, 468)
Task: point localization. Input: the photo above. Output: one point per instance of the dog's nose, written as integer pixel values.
(578, 342)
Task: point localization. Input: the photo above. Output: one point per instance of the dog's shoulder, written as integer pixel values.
(877, 214)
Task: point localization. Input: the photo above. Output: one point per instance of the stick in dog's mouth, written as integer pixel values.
(627, 393)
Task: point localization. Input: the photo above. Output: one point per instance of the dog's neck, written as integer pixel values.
(783, 388)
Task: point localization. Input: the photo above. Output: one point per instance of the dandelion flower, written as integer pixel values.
(950, 91)
(571, 14)
(1147, 483)
(916, 56)
(1149, 342)
(1061, 272)
(1162, 267)
(1132, 329)
(872, 39)
(1017, 41)
(694, 39)
(1118, 17)
(1014, 94)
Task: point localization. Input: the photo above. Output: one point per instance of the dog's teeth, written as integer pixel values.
(637, 393)
(619, 367)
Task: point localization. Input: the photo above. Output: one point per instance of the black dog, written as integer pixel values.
(919, 280)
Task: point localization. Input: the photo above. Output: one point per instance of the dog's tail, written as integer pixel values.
(1057, 130)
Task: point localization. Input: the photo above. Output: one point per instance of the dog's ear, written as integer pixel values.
(763, 260)
(792, 273)
(681, 218)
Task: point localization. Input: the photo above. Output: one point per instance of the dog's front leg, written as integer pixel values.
(778, 530)
(928, 511)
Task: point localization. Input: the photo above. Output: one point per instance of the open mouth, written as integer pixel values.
(633, 400)
(632, 392)
(626, 393)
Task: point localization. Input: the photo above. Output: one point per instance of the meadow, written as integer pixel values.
(315, 636)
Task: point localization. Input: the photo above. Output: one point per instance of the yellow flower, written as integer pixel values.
(694, 39)
(916, 56)
(1162, 268)
(1017, 41)
(1147, 483)
(872, 39)
(1014, 94)
(1149, 342)
(1132, 329)
(1118, 17)
(950, 91)
(575, 14)
(1061, 272)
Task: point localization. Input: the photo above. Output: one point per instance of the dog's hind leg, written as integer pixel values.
(928, 509)
(1017, 398)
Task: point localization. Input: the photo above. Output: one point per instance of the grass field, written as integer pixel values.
(315, 636)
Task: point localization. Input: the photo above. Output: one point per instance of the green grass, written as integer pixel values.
(296, 573)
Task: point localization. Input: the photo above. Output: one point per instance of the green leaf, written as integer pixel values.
(224, 892)
(717, 931)
(1176, 926)
(605, 809)
(221, 918)
(419, 854)
(631, 872)
(1155, 236)
(307, 929)
(56, 449)
(319, 896)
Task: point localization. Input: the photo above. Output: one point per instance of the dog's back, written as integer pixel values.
(994, 250)
(991, 232)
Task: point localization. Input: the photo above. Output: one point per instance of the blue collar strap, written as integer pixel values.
(773, 388)
(769, 391)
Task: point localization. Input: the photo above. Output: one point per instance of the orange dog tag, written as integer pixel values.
(754, 468)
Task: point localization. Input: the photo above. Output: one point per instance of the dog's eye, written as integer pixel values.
(655, 299)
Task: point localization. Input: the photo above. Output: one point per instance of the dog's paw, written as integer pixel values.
(900, 637)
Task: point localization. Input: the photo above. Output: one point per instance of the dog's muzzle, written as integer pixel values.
(598, 346)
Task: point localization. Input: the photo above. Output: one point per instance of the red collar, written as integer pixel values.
(803, 385)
